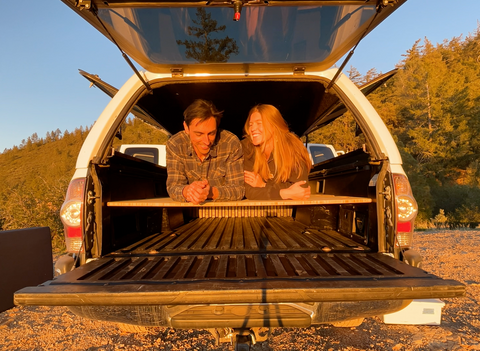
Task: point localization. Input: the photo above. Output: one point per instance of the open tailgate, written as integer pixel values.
(223, 261)
(122, 281)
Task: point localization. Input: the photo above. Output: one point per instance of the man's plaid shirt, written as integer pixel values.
(223, 166)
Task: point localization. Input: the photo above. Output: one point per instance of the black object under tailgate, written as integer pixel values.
(240, 260)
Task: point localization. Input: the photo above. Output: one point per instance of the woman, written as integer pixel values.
(276, 161)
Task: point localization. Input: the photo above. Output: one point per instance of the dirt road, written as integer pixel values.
(448, 254)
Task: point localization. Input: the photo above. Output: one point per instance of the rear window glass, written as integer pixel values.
(143, 153)
(320, 153)
(264, 34)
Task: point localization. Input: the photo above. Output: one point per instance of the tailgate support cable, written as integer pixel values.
(379, 7)
(91, 6)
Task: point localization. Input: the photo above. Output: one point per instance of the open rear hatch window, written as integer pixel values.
(159, 35)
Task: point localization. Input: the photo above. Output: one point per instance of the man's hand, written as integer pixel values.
(296, 192)
(196, 192)
(253, 179)
(213, 194)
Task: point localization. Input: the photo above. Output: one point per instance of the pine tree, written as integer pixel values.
(355, 76)
(208, 49)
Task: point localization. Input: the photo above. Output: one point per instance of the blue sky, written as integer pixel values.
(44, 43)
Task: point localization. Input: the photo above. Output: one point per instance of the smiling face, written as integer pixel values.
(202, 135)
(256, 129)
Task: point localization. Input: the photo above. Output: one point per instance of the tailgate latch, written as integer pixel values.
(91, 198)
(387, 193)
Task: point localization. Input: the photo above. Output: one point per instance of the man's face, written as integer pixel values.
(202, 135)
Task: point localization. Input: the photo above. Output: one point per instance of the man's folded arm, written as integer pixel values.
(176, 179)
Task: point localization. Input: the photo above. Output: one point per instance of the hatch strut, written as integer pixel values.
(381, 4)
(89, 5)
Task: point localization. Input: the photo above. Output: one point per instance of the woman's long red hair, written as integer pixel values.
(289, 153)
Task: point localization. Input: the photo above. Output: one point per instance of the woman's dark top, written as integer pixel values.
(271, 191)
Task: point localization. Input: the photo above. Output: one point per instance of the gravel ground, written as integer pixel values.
(448, 254)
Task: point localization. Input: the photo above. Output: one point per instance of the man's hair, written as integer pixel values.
(201, 109)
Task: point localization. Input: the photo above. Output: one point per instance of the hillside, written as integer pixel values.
(37, 173)
(35, 177)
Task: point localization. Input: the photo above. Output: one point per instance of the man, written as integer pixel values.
(204, 162)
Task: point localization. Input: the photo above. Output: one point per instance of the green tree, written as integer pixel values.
(472, 177)
(433, 98)
(431, 107)
(355, 76)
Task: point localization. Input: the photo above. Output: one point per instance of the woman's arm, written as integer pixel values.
(296, 188)
(293, 188)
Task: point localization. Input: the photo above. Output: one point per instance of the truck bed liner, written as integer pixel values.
(209, 261)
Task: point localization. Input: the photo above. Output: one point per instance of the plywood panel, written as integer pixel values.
(314, 200)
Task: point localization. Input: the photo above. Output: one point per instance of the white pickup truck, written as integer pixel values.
(322, 152)
(238, 267)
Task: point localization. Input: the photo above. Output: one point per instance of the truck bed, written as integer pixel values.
(240, 260)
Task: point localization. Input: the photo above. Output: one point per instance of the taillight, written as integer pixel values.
(71, 215)
(406, 209)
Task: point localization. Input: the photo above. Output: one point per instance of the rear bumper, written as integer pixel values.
(240, 315)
